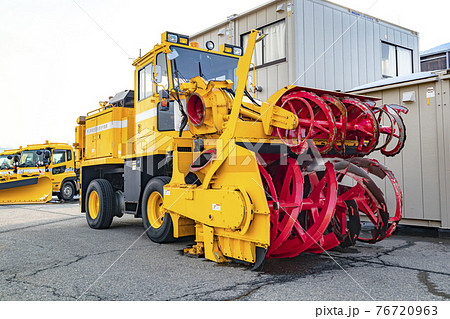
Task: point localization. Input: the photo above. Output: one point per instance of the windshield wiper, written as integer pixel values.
(200, 70)
(178, 73)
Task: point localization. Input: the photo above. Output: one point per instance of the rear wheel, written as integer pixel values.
(67, 191)
(99, 204)
(156, 220)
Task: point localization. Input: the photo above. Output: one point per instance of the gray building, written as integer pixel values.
(317, 43)
(423, 166)
(437, 58)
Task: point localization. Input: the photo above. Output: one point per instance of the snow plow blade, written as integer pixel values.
(26, 190)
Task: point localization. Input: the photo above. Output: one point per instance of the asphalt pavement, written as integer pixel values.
(48, 252)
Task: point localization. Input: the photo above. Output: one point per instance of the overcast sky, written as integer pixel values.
(56, 63)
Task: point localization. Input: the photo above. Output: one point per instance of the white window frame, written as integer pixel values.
(396, 49)
(259, 54)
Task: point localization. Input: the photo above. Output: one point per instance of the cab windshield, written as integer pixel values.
(31, 159)
(6, 163)
(188, 63)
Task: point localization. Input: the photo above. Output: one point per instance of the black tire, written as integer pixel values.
(102, 216)
(67, 191)
(155, 230)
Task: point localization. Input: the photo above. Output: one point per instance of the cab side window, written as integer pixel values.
(59, 156)
(69, 155)
(145, 83)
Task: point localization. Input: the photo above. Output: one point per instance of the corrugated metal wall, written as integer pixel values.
(327, 46)
(330, 47)
(270, 78)
(423, 166)
(338, 49)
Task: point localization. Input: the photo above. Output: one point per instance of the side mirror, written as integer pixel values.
(47, 154)
(157, 74)
(172, 55)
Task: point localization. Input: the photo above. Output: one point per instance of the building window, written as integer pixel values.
(271, 49)
(434, 62)
(395, 60)
(145, 84)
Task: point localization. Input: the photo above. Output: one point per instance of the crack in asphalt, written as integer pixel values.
(198, 295)
(60, 264)
(250, 287)
(369, 260)
(54, 290)
(249, 292)
(350, 263)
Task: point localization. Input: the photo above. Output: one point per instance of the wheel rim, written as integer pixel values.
(67, 191)
(93, 204)
(155, 210)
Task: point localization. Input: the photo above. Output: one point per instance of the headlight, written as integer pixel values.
(237, 51)
(209, 45)
(172, 38)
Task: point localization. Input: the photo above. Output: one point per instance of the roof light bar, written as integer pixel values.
(175, 38)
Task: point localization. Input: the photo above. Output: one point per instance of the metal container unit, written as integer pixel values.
(327, 46)
(423, 167)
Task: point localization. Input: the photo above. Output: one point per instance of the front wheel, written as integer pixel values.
(156, 220)
(99, 204)
(67, 191)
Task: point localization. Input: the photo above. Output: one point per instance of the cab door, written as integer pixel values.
(59, 162)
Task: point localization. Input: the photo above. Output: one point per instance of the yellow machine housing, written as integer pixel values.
(184, 177)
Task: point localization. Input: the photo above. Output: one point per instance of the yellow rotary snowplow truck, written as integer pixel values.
(41, 171)
(191, 152)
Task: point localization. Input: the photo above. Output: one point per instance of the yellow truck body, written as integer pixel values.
(41, 171)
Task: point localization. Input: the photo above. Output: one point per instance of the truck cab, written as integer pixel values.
(159, 75)
(56, 160)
